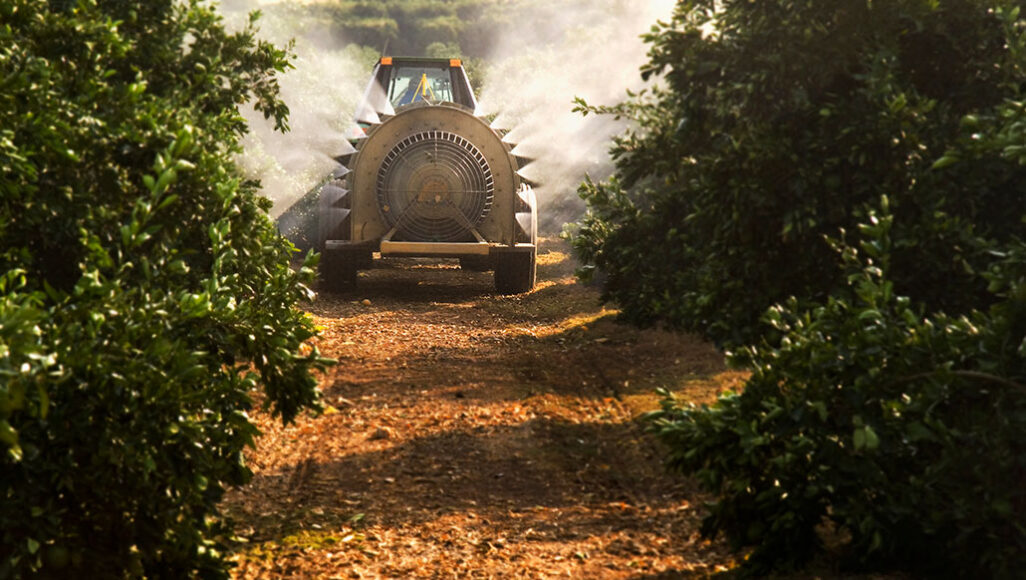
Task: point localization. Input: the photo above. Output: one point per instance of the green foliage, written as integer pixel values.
(398, 27)
(409, 27)
(903, 430)
(363, 56)
(887, 395)
(433, 28)
(777, 120)
(146, 292)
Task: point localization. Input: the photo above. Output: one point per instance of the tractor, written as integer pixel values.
(426, 178)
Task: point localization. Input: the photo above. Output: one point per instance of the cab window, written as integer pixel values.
(412, 84)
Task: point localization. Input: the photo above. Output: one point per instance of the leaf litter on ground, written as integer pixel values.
(474, 435)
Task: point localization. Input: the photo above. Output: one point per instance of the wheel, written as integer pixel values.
(338, 271)
(340, 264)
(475, 263)
(515, 270)
(365, 260)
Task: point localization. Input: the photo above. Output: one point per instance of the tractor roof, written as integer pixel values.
(419, 61)
(403, 80)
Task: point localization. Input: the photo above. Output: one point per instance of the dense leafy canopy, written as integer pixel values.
(420, 27)
(145, 292)
(778, 121)
(476, 30)
(903, 430)
(860, 165)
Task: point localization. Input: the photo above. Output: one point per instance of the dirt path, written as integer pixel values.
(473, 435)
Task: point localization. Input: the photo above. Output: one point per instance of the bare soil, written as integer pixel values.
(475, 435)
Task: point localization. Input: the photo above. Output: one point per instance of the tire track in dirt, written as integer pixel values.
(474, 435)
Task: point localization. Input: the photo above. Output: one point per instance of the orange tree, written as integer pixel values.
(144, 293)
(838, 185)
(901, 429)
(776, 121)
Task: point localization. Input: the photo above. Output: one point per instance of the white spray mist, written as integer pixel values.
(552, 53)
(321, 92)
(575, 48)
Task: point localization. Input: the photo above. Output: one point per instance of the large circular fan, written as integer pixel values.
(434, 186)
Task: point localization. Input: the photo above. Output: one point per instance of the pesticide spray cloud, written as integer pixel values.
(321, 92)
(576, 48)
(550, 53)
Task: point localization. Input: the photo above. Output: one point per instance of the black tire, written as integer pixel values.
(515, 271)
(475, 263)
(339, 267)
(365, 260)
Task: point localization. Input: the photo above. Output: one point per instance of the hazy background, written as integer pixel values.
(584, 48)
(528, 59)
(321, 92)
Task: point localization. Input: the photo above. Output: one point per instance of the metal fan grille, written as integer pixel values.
(435, 187)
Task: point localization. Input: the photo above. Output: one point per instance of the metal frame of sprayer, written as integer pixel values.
(427, 178)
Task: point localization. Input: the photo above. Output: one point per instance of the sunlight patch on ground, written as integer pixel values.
(698, 389)
(552, 258)
(472, 432)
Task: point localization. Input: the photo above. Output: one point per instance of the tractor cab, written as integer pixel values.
(415, 83)
(401, 81)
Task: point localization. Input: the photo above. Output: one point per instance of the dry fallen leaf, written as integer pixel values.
(481, 387)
